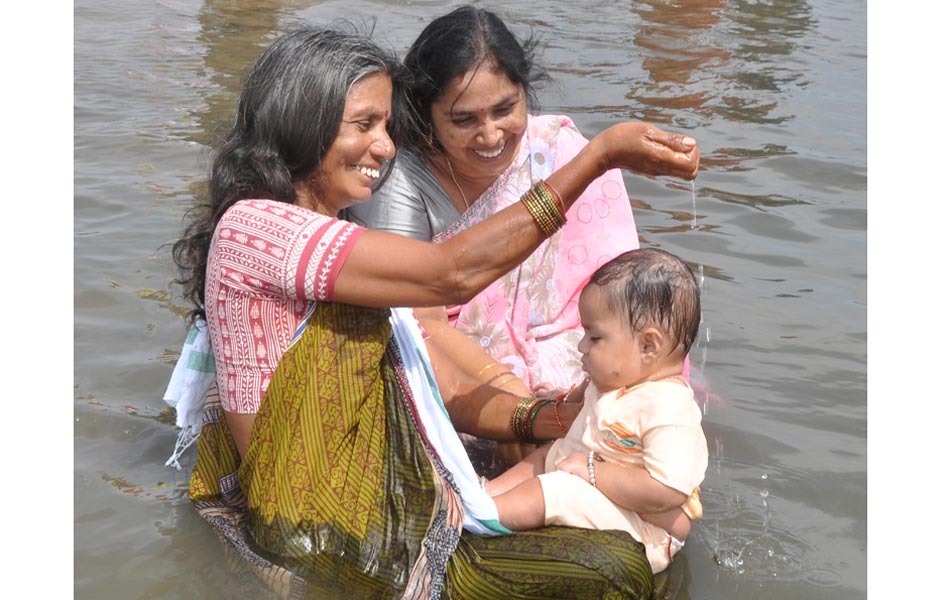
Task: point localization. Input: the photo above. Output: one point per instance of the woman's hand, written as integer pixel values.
(648, 150)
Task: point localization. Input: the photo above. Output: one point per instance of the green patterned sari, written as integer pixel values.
(342, 496)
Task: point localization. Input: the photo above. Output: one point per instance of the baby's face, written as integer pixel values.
(610, 352)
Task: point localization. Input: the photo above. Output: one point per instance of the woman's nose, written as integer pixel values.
(383, 147)
(489, 133)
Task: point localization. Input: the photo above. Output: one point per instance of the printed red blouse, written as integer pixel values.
(268, 260)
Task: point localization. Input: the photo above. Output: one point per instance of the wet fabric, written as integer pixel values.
(341, 495)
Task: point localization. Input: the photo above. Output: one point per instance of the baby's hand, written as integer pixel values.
(547, 390)
(575, 464)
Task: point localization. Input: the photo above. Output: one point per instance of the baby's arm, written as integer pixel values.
(631, 487)
(673, 521)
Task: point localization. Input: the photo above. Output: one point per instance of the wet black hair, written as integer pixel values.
(456, 43)
(652, 287)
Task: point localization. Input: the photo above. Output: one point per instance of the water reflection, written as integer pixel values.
(671, 33)
(712, 59)
(233, 34)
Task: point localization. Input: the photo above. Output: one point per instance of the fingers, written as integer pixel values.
(674, 141)
(684, 162)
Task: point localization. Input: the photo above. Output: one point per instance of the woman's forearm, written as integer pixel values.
(384, 270)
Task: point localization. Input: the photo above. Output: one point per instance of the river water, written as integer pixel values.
(775, 93)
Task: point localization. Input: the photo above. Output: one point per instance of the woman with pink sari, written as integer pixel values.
(476, 151)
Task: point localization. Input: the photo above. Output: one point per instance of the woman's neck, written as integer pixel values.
(306, 196)
(462, 191)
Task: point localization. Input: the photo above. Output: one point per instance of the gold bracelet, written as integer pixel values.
(511, 377)
(486, 367)
(557, 195)
(519, 417)
(542, 208)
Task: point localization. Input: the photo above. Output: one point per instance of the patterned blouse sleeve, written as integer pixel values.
(270, 248)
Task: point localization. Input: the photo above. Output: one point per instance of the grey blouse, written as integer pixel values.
(411, 202)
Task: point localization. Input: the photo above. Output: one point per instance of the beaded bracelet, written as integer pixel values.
(590, 468)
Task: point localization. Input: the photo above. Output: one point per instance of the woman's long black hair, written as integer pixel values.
(289, 113)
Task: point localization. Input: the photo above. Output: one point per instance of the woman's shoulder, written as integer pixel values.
(272, 209)
(283, 220)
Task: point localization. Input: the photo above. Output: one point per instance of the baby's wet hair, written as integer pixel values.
(651, 287)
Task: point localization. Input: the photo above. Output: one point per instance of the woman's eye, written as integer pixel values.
(505, 110)
(362, 125)
(463, 122)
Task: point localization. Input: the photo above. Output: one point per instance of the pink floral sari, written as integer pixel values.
(528, 318)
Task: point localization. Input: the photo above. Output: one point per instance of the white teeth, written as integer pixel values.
(490, 154)
(374, 173)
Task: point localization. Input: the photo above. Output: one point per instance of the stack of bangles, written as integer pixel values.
(546, 206)
(522, 419)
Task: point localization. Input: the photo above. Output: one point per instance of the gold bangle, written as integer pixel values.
(486, 367)
(519, 416)
(557, 195)
(541, 206)
(511, 377)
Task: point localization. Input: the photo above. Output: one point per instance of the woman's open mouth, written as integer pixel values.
(368, 171)
(492, 153)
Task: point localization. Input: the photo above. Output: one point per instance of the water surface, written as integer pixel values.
(773, 90)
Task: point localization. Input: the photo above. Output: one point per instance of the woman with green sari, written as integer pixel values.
(327, 462)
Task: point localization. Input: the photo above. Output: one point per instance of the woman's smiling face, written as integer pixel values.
(479, 121)
(361, 147)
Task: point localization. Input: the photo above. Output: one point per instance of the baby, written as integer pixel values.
(636, 454)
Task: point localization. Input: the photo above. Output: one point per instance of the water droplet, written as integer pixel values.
(764, 493)
(765, 475)
(694, 203)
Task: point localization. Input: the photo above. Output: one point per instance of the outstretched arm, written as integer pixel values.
(385, 269)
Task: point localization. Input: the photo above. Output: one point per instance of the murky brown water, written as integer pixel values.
(773, 90)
